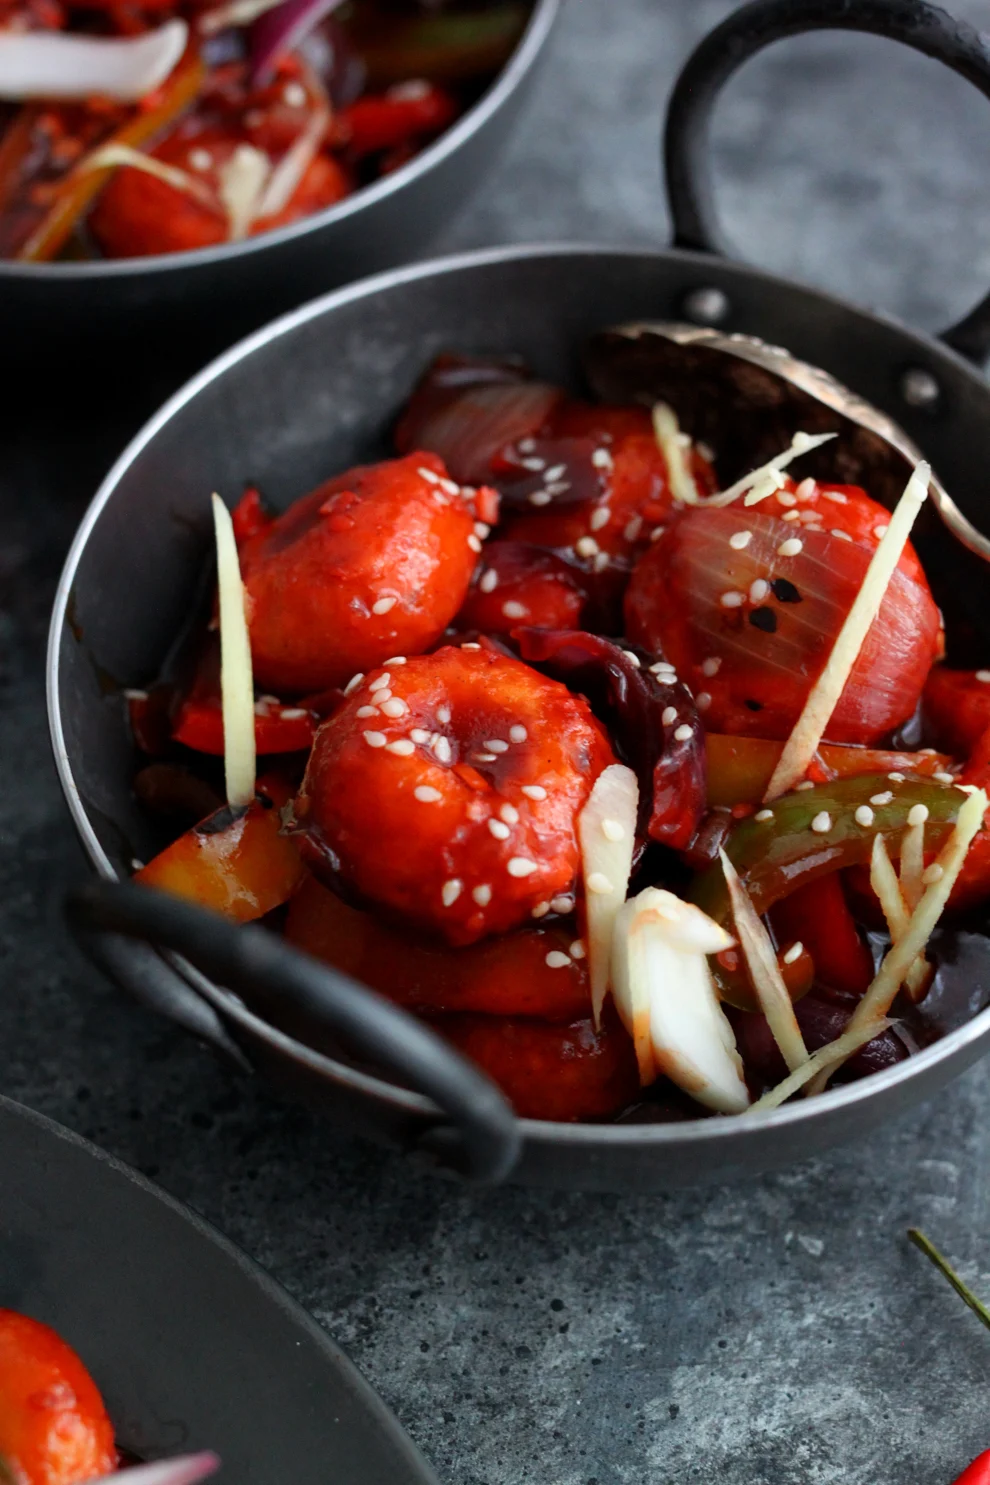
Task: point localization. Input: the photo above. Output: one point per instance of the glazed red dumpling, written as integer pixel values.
(373, 563)
(447, 789)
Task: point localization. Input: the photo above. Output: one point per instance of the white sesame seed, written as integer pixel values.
(443, 715)
(294, 95)
(763, 815)
(577, 949)
(794, 953)
(535, 464)
(489, 581)
(482, 529)
(837, 496)
(613, 829)
(403, 747)
(540, 497)
(601, 459)
(933, 873)
(496, 745)
(500, 831)
(469, 644)
(732, 599)
(200, 160)
(668, 716)
(784, 497)
(520, 866)
(927, 752)
(474, 543)
(133, 694)
(540, 911)
(527, 445)
(482, 895)
(983, 676)
(484, 757)
(353, 683)
(556, 960)
(383, 680)
(896, 778)
(509, 814)
(881, 799)
(842, 535)
(513, 610)
(682, 733)
(864, 815)
(601, 561)
(563, 904)
(758, 590)
(599, 884)
(556, 473)
(419, 735)
(917, 814)
(633, 528)
(426, 794)
(451, 487)
(657, 532)
(804, 784)
(586, 546)
(396, 660)
(790, 547)
(794, 515)
(383, 605)
(451, 891)
(662, 668)
(822, 823)
(600, 517)
(534, 791)
(703, 701)
(517, 733)
(879, 531)
(711, 666)
(944, 778)
(395, 708)
(367, 711)
(805, 489)
(375, 739)
(382, 694)
(739, 540)
(428, 474)
(442, 750)
(632, 658)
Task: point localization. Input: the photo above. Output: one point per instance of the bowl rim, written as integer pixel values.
(704, 1130)
(520, 63)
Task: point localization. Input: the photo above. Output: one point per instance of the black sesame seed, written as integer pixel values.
(763, 618)
(785, 591)
(755, 706)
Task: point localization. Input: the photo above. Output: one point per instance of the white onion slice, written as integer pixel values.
(665, 996)
(186, 1469)
(55, 64)
(607, 834)
(236, 678)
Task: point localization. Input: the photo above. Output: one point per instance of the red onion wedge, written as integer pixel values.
(280, 30)
(185, 1470)
(52, 64)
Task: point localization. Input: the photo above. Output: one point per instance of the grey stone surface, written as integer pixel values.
(781, 1330)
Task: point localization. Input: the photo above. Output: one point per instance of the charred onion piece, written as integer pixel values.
(650, 716)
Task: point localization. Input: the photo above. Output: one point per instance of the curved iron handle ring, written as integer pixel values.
(915, 23)
(250, 961)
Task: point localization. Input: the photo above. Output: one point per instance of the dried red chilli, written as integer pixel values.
(651, 719)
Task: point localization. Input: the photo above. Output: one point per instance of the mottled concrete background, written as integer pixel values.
(781, 1331)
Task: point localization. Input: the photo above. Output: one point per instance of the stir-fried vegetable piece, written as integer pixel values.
(664, 994)
(823, 698)
(812, 833)
(818, 916)
(764, 972)
(607, 832)
(740, 768)
(883, 880)
(56, 64)
(54, 1428)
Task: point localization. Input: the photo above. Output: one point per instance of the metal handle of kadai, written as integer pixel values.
(254, 963)
(686, 146)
